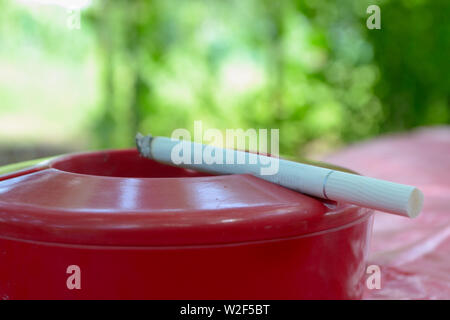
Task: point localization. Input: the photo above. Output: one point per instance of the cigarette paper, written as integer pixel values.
(320, 182)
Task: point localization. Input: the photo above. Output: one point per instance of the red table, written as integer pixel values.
(414, 255)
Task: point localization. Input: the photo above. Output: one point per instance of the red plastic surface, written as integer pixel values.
(414, 255)
(139, 229)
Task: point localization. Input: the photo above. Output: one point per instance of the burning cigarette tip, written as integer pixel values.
(143, 144)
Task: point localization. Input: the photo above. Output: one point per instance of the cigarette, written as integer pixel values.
(316, 181)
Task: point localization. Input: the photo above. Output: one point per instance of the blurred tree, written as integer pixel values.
(412, 53)
(308, 67)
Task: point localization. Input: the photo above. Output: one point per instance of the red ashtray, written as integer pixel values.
(137, 229)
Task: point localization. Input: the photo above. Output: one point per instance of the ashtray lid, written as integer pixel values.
(117, 198)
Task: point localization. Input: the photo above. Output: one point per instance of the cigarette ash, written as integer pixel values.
(143, 144)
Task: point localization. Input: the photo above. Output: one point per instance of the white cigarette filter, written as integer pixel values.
(320, 182)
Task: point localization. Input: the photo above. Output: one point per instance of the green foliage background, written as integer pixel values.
(310, 68)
